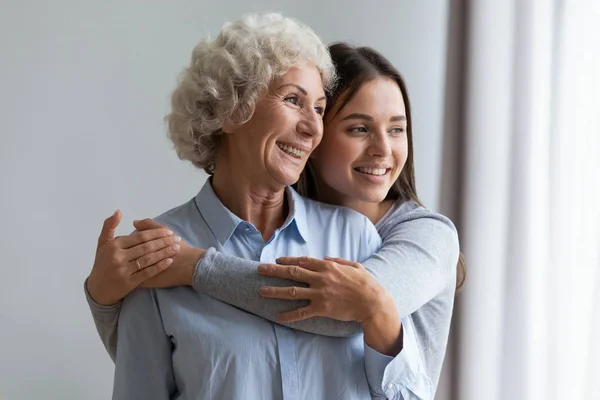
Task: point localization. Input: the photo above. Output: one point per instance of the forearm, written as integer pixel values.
(106, 319)
(235, 281)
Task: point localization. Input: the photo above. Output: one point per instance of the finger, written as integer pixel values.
(286, 293)
(137, 238)
(344, 262)
(151, 271)
(296, 315)
(291, 272)
(153, 258)
(147, 223)
(108, 228)
(152, 246)
(313, 264)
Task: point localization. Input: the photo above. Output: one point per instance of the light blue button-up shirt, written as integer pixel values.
(176, 344)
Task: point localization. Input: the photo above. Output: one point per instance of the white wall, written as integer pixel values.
(83, 89)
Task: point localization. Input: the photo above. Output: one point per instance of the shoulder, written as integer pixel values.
(411, 221)
(178, 217)
(411, 212)
(349, 225)
(326, 213)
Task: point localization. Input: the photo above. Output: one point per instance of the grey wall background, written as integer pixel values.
(83, 90)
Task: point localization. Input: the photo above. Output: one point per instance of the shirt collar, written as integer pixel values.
(219, 219)
(297, 215)
(223, 222)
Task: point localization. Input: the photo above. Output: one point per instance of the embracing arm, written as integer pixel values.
(235, 281)
(415, 263)
(106, 319)
(120, 265)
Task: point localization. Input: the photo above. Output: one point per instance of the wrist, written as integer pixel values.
(95, 293)
(382, 306)
(384, 314)
(191, 269)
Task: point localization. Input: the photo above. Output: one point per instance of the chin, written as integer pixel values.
(374, 197)
(288, 179)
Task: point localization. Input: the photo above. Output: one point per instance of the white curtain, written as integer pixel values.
(523, 151)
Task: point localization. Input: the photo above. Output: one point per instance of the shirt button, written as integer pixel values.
(246, 229)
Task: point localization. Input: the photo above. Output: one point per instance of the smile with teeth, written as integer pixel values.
(292, 151)
(372, 171)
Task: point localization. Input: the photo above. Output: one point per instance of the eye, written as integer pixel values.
(358, 129)
(397, 131)
(292, 99)
(320, 110)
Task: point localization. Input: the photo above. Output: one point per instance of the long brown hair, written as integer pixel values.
(354, 67)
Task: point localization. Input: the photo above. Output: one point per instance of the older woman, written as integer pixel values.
(249, 109)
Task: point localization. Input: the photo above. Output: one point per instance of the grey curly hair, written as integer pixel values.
(226, 77)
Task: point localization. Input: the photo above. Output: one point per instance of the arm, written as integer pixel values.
(106, 319)
(416, 262)
(235, 281)
(143, 367)
(120, 265)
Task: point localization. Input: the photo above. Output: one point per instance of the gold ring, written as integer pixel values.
(138, 264)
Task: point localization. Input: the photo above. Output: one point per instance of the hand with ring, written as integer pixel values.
(123, 263)
(337, 288)
(181, 272)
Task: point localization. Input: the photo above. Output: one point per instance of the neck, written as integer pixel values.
(263, 206)
(373, 211)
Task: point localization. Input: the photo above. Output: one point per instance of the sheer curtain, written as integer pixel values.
(522, 180)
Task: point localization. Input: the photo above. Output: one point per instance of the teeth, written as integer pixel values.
(372, 171)
(291, 150)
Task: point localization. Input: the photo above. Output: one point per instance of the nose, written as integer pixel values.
(380, 145)
(311, 124)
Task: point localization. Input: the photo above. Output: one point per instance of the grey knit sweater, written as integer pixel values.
(416, 265)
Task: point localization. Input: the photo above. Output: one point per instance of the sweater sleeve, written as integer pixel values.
(418, 258)
(106, 319)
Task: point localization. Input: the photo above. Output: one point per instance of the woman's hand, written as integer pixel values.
(122, 263)
(338, 289)
(341, 290)
(181, 272)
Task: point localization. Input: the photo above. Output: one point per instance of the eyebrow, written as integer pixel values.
(369, 118)
(300, 88)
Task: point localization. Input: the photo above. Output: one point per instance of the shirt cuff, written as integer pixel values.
(204, 268)
(97, 306)
(400, 377)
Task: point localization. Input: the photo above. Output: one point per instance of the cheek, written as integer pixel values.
(333, 154)
(401, 154)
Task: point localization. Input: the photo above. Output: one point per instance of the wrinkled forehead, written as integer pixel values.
(304, 77)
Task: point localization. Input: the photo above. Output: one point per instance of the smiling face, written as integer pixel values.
(365, 145)
(272, 148)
